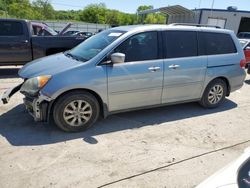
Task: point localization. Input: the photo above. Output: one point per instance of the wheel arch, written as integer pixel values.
(103, 106)
(226, 80)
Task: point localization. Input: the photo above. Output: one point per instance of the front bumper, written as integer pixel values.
(37, 107)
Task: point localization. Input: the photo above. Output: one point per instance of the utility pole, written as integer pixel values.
(199, 4)
(211, 13)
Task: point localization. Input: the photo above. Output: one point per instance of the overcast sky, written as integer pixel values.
(130, 6)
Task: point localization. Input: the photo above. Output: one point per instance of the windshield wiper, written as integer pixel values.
(68, 54)
(72, 56)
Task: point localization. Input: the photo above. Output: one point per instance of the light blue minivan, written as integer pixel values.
(132, 67)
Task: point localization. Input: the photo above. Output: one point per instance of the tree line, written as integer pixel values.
(93, 13)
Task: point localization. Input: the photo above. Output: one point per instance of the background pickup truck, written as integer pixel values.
(20, 43)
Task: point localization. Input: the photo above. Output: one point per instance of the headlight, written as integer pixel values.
(33, 85)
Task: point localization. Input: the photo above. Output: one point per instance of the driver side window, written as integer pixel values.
(140, 47)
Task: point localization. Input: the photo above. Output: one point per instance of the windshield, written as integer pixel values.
(94, 45)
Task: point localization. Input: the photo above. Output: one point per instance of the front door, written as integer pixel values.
(138, 81)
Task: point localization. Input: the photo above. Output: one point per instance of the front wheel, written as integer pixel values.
(214, 94)
(76, 111)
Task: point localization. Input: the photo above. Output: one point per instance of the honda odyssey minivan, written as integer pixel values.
(132, 67)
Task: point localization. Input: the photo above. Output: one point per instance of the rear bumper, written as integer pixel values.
(237, 81)
(37, 107)
(236, 87)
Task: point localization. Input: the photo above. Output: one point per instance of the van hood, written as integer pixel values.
(49, 65)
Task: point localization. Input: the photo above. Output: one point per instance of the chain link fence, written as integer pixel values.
(79, 26)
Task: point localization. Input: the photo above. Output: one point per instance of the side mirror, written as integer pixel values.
(118, 58)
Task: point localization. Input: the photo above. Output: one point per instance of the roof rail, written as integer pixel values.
(193, 24)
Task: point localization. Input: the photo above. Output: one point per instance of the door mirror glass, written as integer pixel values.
(118, 58)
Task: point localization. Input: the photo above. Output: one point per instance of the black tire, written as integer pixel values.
(205, 98)
(64, 101)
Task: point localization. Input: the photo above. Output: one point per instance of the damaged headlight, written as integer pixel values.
(33, 85)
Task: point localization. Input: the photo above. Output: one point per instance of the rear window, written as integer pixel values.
(215, 43)
(8, 28)
(180, 44)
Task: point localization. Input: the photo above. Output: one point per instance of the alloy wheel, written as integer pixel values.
(215, 94)
(77, 113)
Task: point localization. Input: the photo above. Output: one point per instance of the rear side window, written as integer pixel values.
(8, 28)
(180, 44)
(215, 43)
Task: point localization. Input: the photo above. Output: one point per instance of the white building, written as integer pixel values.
(230, 18)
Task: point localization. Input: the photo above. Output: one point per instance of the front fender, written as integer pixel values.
(90, 78)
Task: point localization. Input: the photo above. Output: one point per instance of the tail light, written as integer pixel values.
(243, 63)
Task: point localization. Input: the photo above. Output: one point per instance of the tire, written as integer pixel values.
(210, 100)
(76, 111)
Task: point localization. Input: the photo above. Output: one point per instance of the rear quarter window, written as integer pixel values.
(215, 43)
(8, 28)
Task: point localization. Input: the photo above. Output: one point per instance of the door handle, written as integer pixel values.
(154, 69)
(173, 66)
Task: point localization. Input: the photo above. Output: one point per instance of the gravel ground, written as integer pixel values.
(174, 146)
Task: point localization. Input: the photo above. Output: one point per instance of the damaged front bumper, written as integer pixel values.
(37, 106)
(8, 93)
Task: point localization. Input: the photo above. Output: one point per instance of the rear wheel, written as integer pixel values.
(76, 111)
(214, 94)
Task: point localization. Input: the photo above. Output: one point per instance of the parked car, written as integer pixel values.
(245, 43)
(100, 30)
(83, 34)
(71, 32)
(244, 35)
(132, 67)
(41, 29)
(234, 175)
(22, 41)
